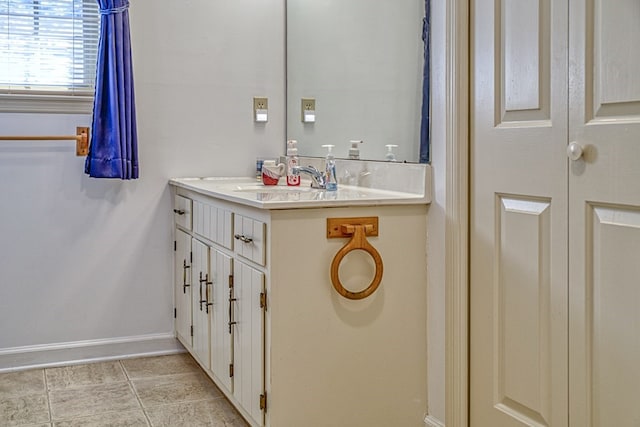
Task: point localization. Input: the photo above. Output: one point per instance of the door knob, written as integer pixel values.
(574, 151)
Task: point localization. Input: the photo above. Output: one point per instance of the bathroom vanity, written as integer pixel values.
(255, 304)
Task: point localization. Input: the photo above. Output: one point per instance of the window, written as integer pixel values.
(48, 54)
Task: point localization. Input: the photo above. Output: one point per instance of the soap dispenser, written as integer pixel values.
(354, 151)
(331, 182)
(292, 161)
(390, 156)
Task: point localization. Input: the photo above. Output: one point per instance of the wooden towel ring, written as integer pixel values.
(358, 241)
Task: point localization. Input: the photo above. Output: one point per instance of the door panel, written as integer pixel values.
(522, 311)
(220, 337)
(518, 229)
(612, 40)
(183, 286)
(248, 344)
(199, 279)
(612, 318)
(604, 209)
(522, 37)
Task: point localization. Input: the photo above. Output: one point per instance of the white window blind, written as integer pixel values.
(48, 51)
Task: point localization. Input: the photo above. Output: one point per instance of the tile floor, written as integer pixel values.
(159, 391)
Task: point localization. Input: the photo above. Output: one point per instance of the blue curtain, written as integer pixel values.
(113, 152)
(424, 126)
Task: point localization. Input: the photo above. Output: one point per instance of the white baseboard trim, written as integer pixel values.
(89, 351)
(431, 421)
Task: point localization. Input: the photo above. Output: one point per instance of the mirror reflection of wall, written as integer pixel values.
(362, 63)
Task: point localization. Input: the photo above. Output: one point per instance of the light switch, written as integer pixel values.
(260, 109)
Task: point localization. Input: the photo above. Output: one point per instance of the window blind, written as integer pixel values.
(48, 46)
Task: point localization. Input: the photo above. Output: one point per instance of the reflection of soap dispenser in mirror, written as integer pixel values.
(390, 156)
(330, 170)
(354, 151)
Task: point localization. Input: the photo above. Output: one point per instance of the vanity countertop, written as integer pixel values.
(247, 191)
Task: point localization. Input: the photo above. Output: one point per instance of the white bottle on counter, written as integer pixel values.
(292, 160)
(390, 156)
(354, 151)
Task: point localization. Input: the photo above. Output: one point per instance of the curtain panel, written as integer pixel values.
(426, 104)
(113, 151)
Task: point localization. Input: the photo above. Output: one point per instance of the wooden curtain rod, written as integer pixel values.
(81, 137)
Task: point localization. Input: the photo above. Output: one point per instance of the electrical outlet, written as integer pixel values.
(260, 109)
(308, 109)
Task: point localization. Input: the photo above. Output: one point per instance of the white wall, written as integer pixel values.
(86, 259)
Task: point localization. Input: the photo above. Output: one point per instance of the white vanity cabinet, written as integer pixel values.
(283, 345)
(219, 297)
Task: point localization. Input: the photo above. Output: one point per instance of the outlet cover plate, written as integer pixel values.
(260, 109)
(308, 110)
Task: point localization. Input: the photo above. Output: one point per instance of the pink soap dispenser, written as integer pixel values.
(292, 160)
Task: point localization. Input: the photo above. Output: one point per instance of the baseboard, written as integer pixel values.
(431, 421)
(90, 351)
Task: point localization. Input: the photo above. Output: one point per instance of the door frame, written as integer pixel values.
(457, 214)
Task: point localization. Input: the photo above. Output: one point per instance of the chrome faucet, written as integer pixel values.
(317, 178)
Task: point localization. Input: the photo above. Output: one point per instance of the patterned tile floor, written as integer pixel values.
(169, 391)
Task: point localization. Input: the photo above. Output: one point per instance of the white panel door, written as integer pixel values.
(248, 343)
(527, 297)
(182, 280)
(221, 331)
(518, 346)
(604, 189)
(200, 280)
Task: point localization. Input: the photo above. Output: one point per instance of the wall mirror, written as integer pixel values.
(361, 63)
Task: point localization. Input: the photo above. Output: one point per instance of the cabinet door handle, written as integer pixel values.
(179, 211)
(243, 238)
(205, 280)
(231, 300)
(184, 276)
(206, 289)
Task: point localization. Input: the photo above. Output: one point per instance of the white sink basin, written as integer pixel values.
(259, 188)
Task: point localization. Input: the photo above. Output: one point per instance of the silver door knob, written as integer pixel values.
(574, 151)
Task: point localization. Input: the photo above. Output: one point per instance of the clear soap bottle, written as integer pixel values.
(331, 182)
(390, 156)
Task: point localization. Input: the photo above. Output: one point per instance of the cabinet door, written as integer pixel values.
(199, 302)
(182, 281)
(220, 317)
(248, 340)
